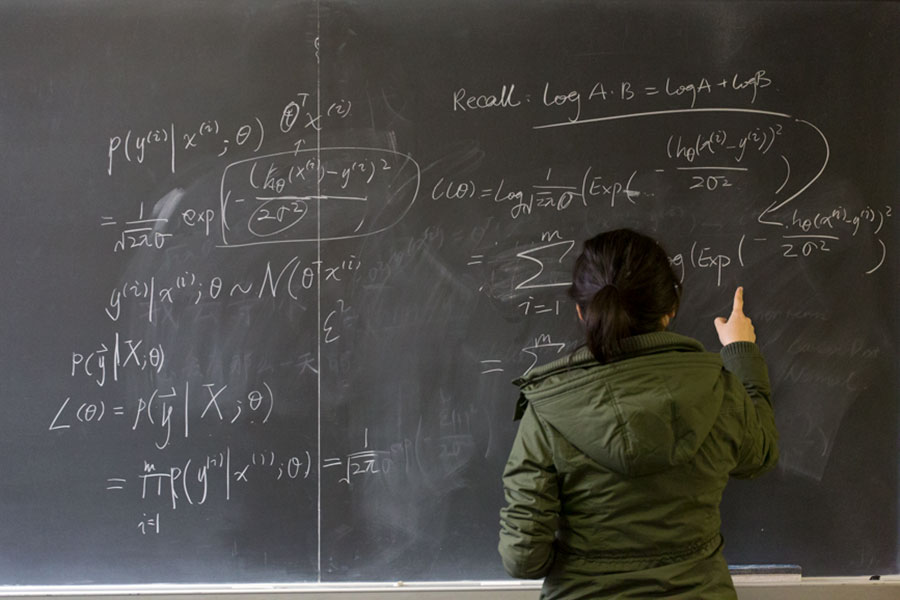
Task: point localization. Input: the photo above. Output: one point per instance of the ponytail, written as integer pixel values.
(607, 322)
(624, 285)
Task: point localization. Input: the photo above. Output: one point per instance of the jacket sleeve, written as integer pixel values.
(758, 451)
(529, 520)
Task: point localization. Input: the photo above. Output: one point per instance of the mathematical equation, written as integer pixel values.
(812, 232)
(544, 264)
(199, 480)
(162, 409)
(708, 144)
(315, 195)
(547, 195)
(701, 163)
(574, 101)
(291, 278)
(278, 185)
(216, 477)
(172, 143)
(106, 363)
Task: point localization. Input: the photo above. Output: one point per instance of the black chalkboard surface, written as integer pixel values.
(269, 268)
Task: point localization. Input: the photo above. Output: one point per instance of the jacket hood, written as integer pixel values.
(644, 412)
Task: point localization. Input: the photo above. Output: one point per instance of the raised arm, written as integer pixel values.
(740, 354)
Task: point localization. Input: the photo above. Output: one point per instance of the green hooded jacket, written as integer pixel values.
(615, 477)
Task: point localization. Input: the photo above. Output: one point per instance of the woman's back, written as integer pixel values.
(640, 451)
(614, 481)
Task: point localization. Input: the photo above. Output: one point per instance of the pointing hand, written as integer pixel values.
(737, 327)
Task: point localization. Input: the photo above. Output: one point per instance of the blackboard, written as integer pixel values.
(269, 268)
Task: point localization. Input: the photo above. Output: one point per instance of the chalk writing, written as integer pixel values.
(548, 194)
(215, 403)
(272, 199)
(286, 232)
(103, 363)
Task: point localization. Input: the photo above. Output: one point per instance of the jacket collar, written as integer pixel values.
(639, 345)
(581, 358)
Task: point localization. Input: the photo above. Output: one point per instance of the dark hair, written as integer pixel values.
(624, 284)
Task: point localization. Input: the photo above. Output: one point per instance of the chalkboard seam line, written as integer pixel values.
(318, 45)
(662, 112)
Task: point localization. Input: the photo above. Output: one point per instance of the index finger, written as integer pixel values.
(738, 306)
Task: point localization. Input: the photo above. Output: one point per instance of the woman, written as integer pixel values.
(614, 480)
